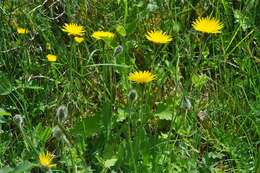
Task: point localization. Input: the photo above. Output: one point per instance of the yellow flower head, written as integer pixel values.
(79, 39)
(158, 37)
(45, 160)
(22, 30)
(51, 58)
(141, 77)
(73, 29)
(103, 35)
(208, 25)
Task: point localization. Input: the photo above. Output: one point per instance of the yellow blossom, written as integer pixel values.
(73, 29)
(158, 37)
(22, 30)
(51, 58)
(45, 160)
(141, 77)
(103, 35)
(208, 25)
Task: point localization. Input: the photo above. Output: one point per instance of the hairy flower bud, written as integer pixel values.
(186, 104)
(18, 119)
(132, 95)
(62, 113)
(119, 49)
(57, 133)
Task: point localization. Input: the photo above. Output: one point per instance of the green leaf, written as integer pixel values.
(122, 114)
(110, 162)
(88, 126)
(4, 113)
(42, 134)
(199, 80)
(163, 112)
(6, 169)
(2, 120)
(242, 19)
(5, 85)
(25, 166)
(33, 87)
(121, 30)
(215, 155)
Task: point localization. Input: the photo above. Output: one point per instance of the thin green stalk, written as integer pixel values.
(71, 142)
(130, 137)
(27, 141)
(126, 12)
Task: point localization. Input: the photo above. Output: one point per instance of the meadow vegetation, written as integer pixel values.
(152, 86)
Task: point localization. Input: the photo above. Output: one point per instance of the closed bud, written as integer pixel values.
(132, 95)
(57, 133)
(62, 113)
(119, 49)
(18, 119)
(186, 104)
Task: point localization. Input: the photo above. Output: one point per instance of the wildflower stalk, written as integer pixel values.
(130, 137)
(126, 12)
(157, 53)
(108, 75)
(71, 144)
(143, 103)
(28, 143)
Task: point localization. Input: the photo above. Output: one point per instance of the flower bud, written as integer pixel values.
(62, 113)
(132, 95)
(18, 119)
(119, 49)
(57, 133)
(186, 104)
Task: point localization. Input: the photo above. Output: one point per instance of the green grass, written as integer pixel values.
(201, 114)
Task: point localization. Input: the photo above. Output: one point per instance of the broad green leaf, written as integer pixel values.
(41, 133)
(5, 85)
(4, 113)
(199, 80)
(121, 116)
(88, 126)
(6, 169)
(110, 162)
(121, 30)
(25, 166)
(163, 112)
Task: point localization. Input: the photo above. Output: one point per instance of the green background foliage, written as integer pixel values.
(201, 114)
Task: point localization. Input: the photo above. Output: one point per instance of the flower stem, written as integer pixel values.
(129, 138)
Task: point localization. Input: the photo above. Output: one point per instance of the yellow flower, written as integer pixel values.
(158, 37)
(46, 160)
(103, 35)
(73, 29)
(208, 25)
(141, 77)
(51, 58)
(78, 39)
(22, 30)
